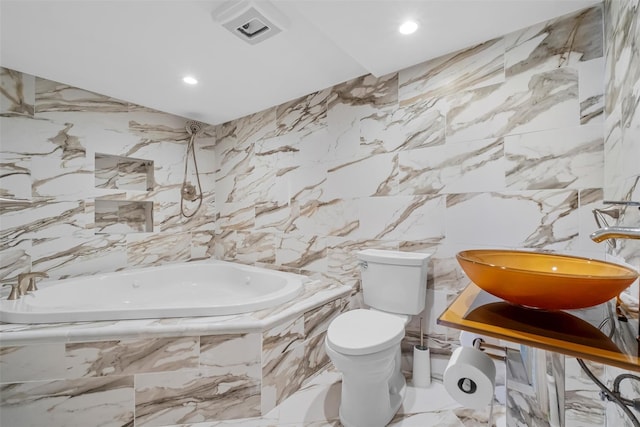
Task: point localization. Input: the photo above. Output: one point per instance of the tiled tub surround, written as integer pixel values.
(161, 372)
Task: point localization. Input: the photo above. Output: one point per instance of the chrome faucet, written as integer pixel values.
(616, 232)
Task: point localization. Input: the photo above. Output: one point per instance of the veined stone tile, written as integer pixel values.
(562, 42)
(188, 397)
(317, 321)
(281, 338)
(32, 363)
(303, 114)
(547, 219)
(591, 91)
(88, 401)
(344, 130)
(149, 249)
(253, 246)
(399, 217)
(63, 257)
(473, 166)
(336, 217)
(524, 103)
(123, 357)
(472, 68)
(236, 216)
(14, 259)
(67, 182)
(559, 158)
(381, 131)
(202, 244)
(275, 217)
(54, 96)
(35, 220)
(374, 175)
(15, 178)
(342, 260)
(423, 123)
(582, 403)
(366, 90)
(590, 199)
(282, 375)
(236, 354)
(300, 251)
(17, 94)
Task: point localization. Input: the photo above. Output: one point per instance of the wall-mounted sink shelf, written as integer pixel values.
(594, 333)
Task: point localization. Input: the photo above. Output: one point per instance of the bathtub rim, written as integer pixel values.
(316, 294)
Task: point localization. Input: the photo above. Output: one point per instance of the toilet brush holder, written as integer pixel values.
(421, 366)
(421, 363)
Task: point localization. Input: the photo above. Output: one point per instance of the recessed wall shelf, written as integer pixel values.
(123, 216)
(123, 173)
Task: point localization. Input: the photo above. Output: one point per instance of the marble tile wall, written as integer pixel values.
(622, 149)
(497, 145)
(51, 134)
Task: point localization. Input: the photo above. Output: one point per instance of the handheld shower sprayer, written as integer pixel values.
(188, 191)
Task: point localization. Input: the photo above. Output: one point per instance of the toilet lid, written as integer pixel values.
(359, 332)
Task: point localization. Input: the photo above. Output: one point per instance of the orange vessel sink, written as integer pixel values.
(545, 281)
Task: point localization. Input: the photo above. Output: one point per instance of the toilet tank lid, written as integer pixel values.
(394, 257)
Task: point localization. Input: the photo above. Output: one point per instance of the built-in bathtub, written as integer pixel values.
(153, 372)
(203, 288)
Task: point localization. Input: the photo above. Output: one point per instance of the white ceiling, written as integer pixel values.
(139, 50)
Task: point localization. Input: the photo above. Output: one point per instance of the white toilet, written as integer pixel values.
(365, 344)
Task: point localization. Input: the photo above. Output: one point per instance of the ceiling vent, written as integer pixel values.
(253, 22)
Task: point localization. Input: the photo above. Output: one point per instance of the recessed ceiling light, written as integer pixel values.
(408, 27)
(190, 80)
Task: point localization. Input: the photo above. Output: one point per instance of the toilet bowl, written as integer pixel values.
(364, 344)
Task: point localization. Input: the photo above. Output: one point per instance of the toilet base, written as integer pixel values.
(395, 400)
(372, 393)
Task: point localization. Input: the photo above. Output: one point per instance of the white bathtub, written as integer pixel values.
(200, 288)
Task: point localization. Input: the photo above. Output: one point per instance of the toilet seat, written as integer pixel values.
(360, 332)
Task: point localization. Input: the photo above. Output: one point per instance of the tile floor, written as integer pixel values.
(316, 405)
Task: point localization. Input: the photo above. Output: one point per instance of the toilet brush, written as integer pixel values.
(421, 362)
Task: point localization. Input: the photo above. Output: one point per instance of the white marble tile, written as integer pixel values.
(560, 158)
(401, 217)
(561, 42)
(236, 354)
(524, 103)
(70, 256)
(582, 406)
(303, 114)
(192, 396)
(375, 175)
(147, 249)
(300, 251)
(32, 363)
(88, 401)
(591, 91)
(124, 357)
(472, 68)
(546, 219)
(474, 166)
(17, 96)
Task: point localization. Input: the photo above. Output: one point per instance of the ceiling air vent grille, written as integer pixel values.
(250, 22)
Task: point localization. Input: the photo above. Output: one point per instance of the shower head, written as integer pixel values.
(194, 128)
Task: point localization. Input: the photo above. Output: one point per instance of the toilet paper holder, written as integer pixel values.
(482, 345)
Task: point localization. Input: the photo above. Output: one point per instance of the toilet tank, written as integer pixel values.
(394, 281)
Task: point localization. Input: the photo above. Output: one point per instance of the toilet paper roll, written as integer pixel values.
(470, 377)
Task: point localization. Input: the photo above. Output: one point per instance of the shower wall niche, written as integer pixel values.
(112, 214)
(123, 173)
